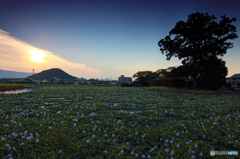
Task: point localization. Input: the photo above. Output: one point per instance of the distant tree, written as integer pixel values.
(144, 77)
(164, 73)
(198, 43)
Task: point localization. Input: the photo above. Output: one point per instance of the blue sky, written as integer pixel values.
(101, 38)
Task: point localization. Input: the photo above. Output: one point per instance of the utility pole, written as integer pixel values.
(33, 71)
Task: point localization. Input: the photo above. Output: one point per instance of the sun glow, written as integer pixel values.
(37, 56)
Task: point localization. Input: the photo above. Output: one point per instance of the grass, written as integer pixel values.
(89, 122)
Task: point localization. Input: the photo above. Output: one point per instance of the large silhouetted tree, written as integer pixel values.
(144, 77)
(198, 42)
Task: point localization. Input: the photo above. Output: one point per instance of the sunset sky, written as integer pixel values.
(100, 38)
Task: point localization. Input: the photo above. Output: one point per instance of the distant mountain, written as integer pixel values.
(50, 74)
(105, 79)
(13, 74)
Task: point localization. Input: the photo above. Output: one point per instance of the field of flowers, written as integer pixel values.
(116, 122)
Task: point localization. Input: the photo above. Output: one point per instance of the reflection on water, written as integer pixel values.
(16, 91)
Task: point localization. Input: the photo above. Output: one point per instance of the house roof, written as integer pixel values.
(45, 80)
(235, 76)
(26, 80)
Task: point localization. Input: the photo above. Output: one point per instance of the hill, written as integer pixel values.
(13, 74)
(50, 74)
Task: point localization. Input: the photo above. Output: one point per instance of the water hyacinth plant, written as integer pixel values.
(116, 122)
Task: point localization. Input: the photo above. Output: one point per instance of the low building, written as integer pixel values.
(45, 81)
(114, 82)
(3, 81)
(234, 80)
(103, 82)
(57, 81)
(27, 81)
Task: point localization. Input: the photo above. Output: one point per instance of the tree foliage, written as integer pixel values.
(213, 76)
(164, 73)
(198, 41)
(144, 77)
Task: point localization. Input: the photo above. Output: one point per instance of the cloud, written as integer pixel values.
(15, 55)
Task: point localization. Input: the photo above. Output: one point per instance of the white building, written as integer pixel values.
(125, 79)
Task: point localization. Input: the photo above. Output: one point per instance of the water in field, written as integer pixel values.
(16, 91)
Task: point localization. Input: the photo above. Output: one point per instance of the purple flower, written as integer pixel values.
(178, 145)
(172, 153)
(3, 139)
(136, 155)
(177, 134)
(88, 141)
(201, 155)
(59, 151)
(105, 151)
(93, 136)
(7, 145)
(192, 156)
(196, 146)
(166, 150)
(149, 157)
(37, 141)
(132, 153)
(105, 135)
(187, 143)
(143, 156)
(122, 152)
